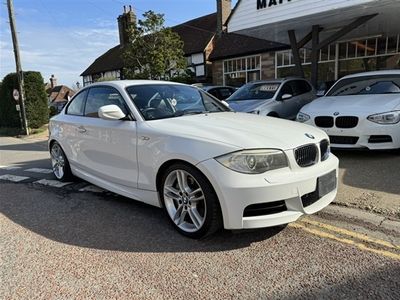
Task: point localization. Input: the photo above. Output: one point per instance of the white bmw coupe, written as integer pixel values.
(176, 147)
(359, 111)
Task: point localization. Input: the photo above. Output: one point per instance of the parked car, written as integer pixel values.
(205, 165)
(220, 92)
(277, 98)
(359, 111)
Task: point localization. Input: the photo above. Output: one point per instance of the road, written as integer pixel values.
(60, 242)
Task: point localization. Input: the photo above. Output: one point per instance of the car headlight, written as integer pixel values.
(254, 161)
(392, 117)
(256, 112)
(302, 117)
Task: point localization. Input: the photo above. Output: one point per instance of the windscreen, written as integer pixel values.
(254, 91)
(160, 101)
(367, 85)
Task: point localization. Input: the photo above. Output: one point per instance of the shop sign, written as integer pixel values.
(261, 4)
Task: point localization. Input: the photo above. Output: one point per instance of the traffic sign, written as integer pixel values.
(16, 95)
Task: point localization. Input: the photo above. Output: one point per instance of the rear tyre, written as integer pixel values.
(59, 163)
(190, 201)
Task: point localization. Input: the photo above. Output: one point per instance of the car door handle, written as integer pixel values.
(81, 129)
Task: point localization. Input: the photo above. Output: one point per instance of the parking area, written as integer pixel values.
(73, 240)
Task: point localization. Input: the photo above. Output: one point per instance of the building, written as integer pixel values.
(328, 38)
(205, 40)
(197, 36)
(58, 95)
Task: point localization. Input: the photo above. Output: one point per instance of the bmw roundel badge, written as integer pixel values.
(336, 113)
(310, 136)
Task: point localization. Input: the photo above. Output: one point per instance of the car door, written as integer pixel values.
(304, 93)
(71, 125)
(108, 146)
(286, 108)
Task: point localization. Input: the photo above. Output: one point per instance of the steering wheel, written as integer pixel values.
(149, 113)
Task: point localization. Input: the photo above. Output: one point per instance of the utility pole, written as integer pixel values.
(20, 75)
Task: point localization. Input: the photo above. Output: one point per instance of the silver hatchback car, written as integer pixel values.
(276, 98)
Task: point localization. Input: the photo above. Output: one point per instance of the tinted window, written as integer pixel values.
(367, 85)
(286, 89)
(76, 107)
(225, 93)
(214, 92)
(100, 96)
(255, 91)
(159, 101)
(300, 87)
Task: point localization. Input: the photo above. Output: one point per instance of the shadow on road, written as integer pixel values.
(371, 170)
(109, 222)
(25, 146)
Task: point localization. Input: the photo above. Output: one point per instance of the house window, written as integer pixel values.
(242, 70)
(359, 55)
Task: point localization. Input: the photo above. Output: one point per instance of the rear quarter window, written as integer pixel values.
(77, 105)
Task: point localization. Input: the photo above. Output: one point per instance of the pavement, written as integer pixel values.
(77, 241)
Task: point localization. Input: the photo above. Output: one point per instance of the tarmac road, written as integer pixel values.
(59, 242)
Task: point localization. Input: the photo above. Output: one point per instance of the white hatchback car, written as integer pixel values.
(359, 111)
(176, 147)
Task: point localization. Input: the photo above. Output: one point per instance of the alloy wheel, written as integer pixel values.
(57, 161)
(184, 200)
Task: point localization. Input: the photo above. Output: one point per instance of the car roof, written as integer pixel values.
(209, 87)
(373, 73)
(125, 83)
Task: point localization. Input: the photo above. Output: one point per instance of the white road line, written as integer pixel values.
(53, 183)
(13, 178)
(39, 170)
(92, 188)
(10, 168)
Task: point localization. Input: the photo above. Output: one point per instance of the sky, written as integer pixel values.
(64, 37)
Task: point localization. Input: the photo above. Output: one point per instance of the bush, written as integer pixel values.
(36, 108)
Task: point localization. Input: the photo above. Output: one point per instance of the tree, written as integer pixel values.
(36, 101)
(154, 51)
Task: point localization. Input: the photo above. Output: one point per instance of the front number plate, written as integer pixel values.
(327, 183)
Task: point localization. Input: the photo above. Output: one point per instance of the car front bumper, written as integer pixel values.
(237, 191)
(366, 134)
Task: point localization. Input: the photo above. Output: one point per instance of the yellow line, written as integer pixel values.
(351, 233)
(346, 241)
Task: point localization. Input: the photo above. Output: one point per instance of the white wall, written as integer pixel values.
(247, 15)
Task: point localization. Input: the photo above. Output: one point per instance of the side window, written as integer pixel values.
(300, 87)
(286, 89)
(100, 96)
(76, 107)
(214, 92)
(225, 93)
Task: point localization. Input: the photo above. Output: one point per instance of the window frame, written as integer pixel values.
(129, 113)
(84, 103)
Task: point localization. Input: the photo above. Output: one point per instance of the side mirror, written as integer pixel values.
(111, 112)
(225, 103)
(286, 96)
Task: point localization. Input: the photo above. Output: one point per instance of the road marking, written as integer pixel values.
(92, 188)
(13, 178)
(10, 168)
(345, 241)
(39, 170)
(356, 235)
(53, 183)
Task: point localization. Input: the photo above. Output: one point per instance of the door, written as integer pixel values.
(108, 146)
(286, 108)
(303, 92)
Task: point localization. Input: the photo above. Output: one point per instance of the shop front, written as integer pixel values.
(328, 38)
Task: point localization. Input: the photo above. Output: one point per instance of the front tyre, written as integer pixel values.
(190, 201)
(59, 163)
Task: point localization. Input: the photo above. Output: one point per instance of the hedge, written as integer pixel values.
(36, 106)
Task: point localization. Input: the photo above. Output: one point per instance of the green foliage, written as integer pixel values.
(154, 51)
(187, 77)
(35, 101)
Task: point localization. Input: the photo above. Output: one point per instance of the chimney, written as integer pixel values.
(53, 81)
(126, 21)
(224, 8)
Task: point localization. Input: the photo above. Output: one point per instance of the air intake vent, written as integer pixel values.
(346, 122)
(324, 122)
(306, 156)
(324, 149)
